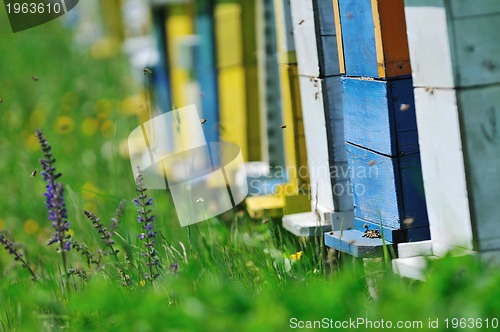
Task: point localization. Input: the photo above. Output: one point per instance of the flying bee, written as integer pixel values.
(34, 78)
(301, 21)
(147, 71)
(372, 162)
(350, 242)
(408, 221)
(404, 107)
(202, 121)
(1, 100)
(34, 173)
(266, 220)
(283, 126)
(199, 200)
(316, 95)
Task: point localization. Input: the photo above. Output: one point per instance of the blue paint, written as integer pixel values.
(160, 76)
(387, 190)
(323, 15)
(412, 184)
(353, 243)
(328, 58)
(358, 38)
(332, 99)
(380, 115)
(205, 69)
(337, 155)
(376, 189)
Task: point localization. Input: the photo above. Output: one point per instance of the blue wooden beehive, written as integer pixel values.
(380, 128)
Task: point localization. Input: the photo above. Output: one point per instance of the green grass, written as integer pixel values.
(234, 274)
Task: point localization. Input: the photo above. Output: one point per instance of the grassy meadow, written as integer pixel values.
(226, 274)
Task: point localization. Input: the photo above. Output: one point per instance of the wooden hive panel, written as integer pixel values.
(461, 47)
(316, 53)
(479, 110)
(316, 141)
(206, 72)
(380, 115)
(443, 167)
(381, 186)
(324, 16)
(228, 34)
(373, 35)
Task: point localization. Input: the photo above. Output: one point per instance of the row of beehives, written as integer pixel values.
(347, 84)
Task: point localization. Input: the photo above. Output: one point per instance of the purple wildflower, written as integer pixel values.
(174, 267)
(54, 195)
(18, 256)
(55, 200)
(106, 236)
(115, 221)
(146, 219)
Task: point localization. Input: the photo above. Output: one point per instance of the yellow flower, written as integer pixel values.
(31, 226)
(142, 283)
(64, 124)
(107, 128)
(71, 232)
(89, 126)
(69, 101)
(89, 190)
(37, 118)
(31, 143)
(296, 256)
(90, 206)
(133, 105)
(2, 224)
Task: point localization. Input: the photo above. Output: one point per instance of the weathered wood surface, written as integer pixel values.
(479, 111)
(353, 243)
(461, 47)
(374, 38)
(305, 224)
(316, 49)
(316, 141)
(387, 190)
(380, 115)
(443, 167)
